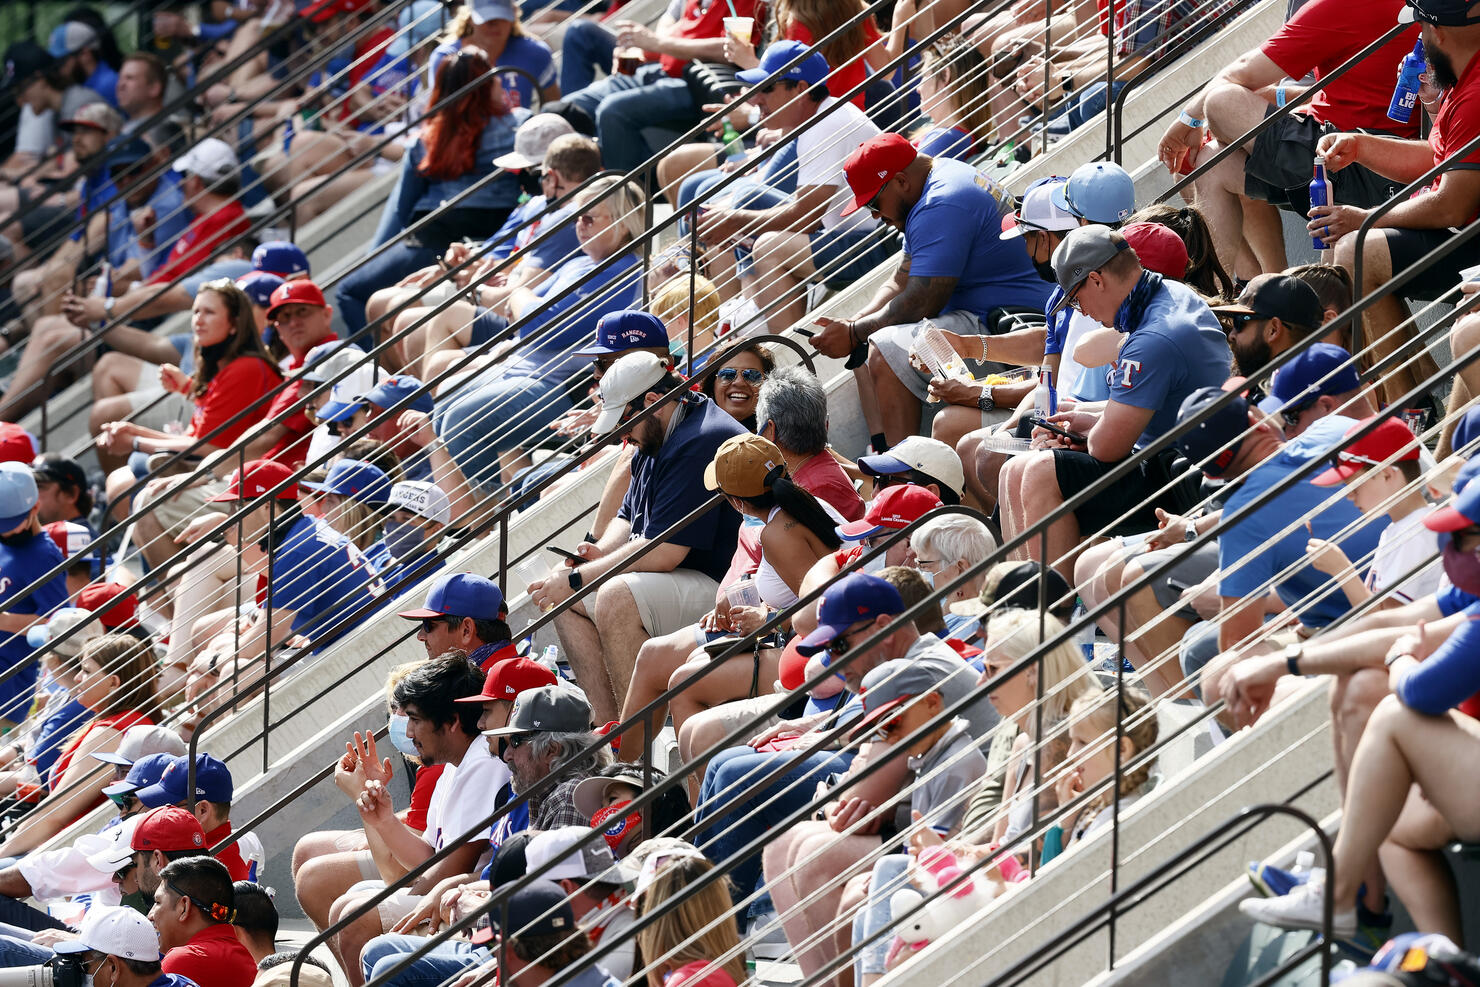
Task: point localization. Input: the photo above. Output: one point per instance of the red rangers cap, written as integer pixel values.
(507, 678)
(167, 829)
(260, 476)
(877, 160)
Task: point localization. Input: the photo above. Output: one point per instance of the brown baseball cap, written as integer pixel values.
(744, 466)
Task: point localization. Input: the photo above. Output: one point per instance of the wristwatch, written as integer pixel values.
(1190, 534)
(574, 579)
(1292, 658)
(108, 304)
(984, 400)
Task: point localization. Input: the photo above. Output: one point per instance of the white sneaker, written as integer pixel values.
(1301, 909)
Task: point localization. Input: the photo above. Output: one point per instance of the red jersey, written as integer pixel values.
(232, 390)
(213, 956)
(203, 237)
(1457, 122)
(842, 79)
(703, 19)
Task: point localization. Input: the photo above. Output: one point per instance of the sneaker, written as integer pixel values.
(1301, 909)
(1272, 881)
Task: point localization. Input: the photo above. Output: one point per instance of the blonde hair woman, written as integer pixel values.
(695, 942)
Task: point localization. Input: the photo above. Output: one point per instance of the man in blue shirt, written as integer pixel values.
(465, 612)
(1176, 346)
(27, 554)
(956, 268)
(674, 584)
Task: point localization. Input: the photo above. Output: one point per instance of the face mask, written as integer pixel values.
(929, 577)
(16, 540)
(876, 564)
(615, 823)
(1462, 568)
(398, 735)
(403, 538)
(1045, 271)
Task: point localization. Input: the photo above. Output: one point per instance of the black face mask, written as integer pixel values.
(529, 182)
(1045, 271)
(17, 539)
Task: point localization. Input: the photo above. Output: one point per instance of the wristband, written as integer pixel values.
(1190, 120)
(1279, 95)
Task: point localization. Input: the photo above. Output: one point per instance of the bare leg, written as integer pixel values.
(952, 424)
(1264, 233)
(681, 162)
(581, 643)
(320, 881)
(899, 409)
(1421, 877)
(656, 662)
(52, 337)
(450, 329)
(1058, 545)
(1220, 197)
(807, 873)
(622, 635)
(1156, 634)
(783, 263)
(731, 681)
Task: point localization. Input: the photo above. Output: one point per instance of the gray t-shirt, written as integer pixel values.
(947, 773)
(38, 133)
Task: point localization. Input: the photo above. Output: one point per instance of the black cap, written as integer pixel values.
(1215, 441)
(1444, 13)
(1279, 296)
(23, 60)
(52, 467)
(540, 908)
(1018, 586)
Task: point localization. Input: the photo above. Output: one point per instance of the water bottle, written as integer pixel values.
(1045, 395)
(1405, 94)
(1320, 195)
(550, 658)
(734, 147)
(288, 134)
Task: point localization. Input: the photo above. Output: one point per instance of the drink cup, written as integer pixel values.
(740, 28)
(628, 60)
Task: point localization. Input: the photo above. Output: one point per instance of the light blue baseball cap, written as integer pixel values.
(17, 495)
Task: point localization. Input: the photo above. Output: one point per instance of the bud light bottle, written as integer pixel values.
(1045, 395)
(1405, 94)
(1320, 195)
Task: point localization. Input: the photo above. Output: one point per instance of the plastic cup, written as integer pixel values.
(629, 60)
(740, 28)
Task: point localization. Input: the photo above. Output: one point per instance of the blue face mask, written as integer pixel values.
(398, 735)
(403, 538)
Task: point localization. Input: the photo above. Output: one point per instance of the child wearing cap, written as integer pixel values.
(419, 513)
(26, 555)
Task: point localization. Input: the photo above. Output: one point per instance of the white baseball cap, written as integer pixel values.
(1039, 212)
(593, 862)
(929, 456)
(211, 160)
(532, 140)
(67, 618)
(108, 853)
(115, 931)
(420, 497)
(625, 381)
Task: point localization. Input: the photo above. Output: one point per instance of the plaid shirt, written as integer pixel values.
(1149, 28)
(559, 808)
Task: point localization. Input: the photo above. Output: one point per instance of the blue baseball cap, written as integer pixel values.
(286, 260)
(1215, 441)
(212, 782)
(143, 773)
(461, 594)
(1100, 192)
(128, 151)
(629, 329)
(1466, 430)
(338, 411)
(259, 286)
(357, 480)
(397, 388)
(810, 70)
(1467, 473)
(17, 495)
(851, 600)
(492, 10)
(1321, 369)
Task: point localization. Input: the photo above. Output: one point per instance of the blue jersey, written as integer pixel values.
(1259, 546)
(55, 731)
(1450, 675)
(23, 560)
(321, 576)
(530, 56)
(550, 254)
(946, 142)
(570, 322)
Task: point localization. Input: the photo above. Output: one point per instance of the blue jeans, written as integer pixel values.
(1199, 646)
(587, 46)
(15, 952)
(1089, 101)
(445, 961)
(494, 416)
(735, 822)
(887, 878)
(374, 273)
(624, 104)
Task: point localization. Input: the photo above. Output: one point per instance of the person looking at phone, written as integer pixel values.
(1175, 346)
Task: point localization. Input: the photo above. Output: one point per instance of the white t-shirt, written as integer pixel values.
(464, 796)
(1401, 546)
(1070, 369)
(821, 152)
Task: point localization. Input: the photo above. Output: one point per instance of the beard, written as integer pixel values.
(1441, 66)
(1250, 358)
(649, 437)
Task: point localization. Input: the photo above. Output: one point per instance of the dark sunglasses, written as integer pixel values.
(839, 645)
(429, 624)
(728, 375)
(873, 204)
(1292, 414)
(1240, 320)
(515, 742)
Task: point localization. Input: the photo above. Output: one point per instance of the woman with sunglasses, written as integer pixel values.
(736, 386)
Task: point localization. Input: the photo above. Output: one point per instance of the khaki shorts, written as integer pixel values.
(391, 910)
(670, 601)
(175, 510)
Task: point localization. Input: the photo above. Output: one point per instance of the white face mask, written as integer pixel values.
(876, 564)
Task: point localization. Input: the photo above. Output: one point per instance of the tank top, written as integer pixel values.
(114, 721)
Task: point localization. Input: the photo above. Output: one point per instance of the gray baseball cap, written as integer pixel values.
(1086, 249)
(889, 685)
(549, 709)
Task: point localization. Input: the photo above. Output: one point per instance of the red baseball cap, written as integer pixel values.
(792, 671)
(1159, 248)
(167, 829)
(1391, 441)
(16, 444)
(300, 291)
(122, 616)
(324, 9)
(507, 678)
(72, 538)
(870, 167)
(893, 509)
(260, 476)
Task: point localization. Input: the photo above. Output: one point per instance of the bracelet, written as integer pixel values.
(1279, 95)
(1190, 120)
(983, 341)
(136, 445)
(1391, 660)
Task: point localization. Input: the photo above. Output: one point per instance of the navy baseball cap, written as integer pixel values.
(356, 479)
(397, 388)
(851, 600)
(17, 495)
(1444, 13)
(1467, 473)
(127, 151)
(629, 329)
(461, 594)
(809, 71)
(143, 773)
(259, 286)
(24, 59)
(1320, 369)
(1215, 441)
(286, 260)
(212, 782)
(1466, 430)
(540, 908)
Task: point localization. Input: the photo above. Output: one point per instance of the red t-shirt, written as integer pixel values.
(421, 795)
(692, 975)
(236, 865)
(233, 389)
(849, 75)
(213, 956)
(292, 448)
(700, 21)
(1457, 122)
(823, 478)
(1325, 33)
(205, 234)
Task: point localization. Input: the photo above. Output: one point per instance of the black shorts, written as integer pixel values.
(42, 221)
(1282, 161)
(486, 324)
(1408, 247)
(1127, 506)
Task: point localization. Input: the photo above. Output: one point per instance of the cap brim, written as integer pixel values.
(68, 946)
(119, 788)
(1335, 475)
(514, 161)
(597, 350)
(752, 77)
(1407, 15)
(871, 721)
(609, 419)
(1060, 197)
(317, 487)
(155, 796)
(1233, 309)
(1447, 519)
(883, 464)
(819, 639)
(422, 614)
(337, 411)
(112, 758)
(506, 731)
(480, 698)
(854, 206)
(228, 497)
(1271, 405)
(1012, 232)
(1064, 302)
(858, 530)
(711, 477)
(14, 521)
(589, 794)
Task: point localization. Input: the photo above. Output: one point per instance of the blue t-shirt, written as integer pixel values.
(526, 53)
(55, 731)
(574, 315)
(1451, 598)
(562, 246)
(172, 980)
(666, 487)
(97, 190)
(104, 82)
(955, 231)
(946, 142)
(1248, 559)
(171, 219)
(1176, 347)
(1450, 675)
(321, 576)
(21, 564)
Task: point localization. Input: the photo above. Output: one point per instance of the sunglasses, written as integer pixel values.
(839, 645)
(1291, 416)
(873, 204)
(1341, 459)
(429, 624)
(728, 375)
(515, 742)
(1240, 320)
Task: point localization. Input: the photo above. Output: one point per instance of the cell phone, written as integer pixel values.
(564, 554)
(804, 331)
(1056, 430)
(1177, 585)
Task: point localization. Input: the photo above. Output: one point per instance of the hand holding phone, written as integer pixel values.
(572, 557)
(1049, 426)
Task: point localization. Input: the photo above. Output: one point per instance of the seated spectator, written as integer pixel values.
(454, 152)
(538, 943)
(791, 411)
(62, 490)
(161, 837)
(58, 714)
(124, 943)
(679, 578)
(192, 913)
(944, 548)
(953, 94)
(211, 808)
(1274, 313)
(920, 461)
(78, 49)
(493, 26)
(407, 549)
(1099, 272)
(352, 500)
(45, 97)
(855, 54)
(1319, 381)
(27, 554)
(553, 729)
(939, 206)
(142, 81)
(686, 949)
(465, 612)
(368, 410)
(211, 185)
(256, 920)
(594, 887)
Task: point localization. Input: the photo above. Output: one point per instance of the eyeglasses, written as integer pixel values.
(1292, 415)
(515, 742)
(887, 730)
(750, 376)
(429, 624)
(873, 204)
(840, 645)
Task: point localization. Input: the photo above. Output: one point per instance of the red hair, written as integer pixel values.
(452, 135)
